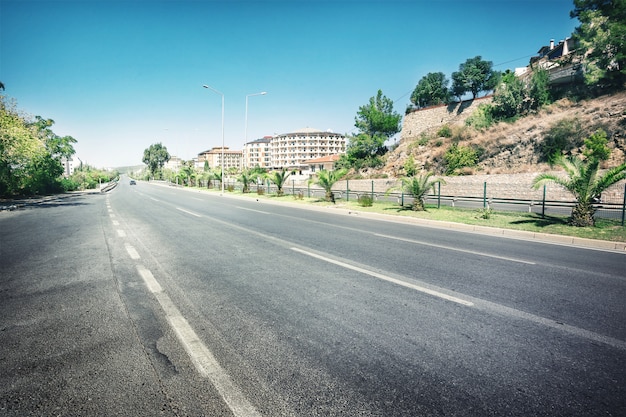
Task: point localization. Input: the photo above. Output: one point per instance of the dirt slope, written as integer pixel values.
(516, 147)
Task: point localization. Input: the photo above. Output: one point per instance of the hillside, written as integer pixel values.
(517, 147)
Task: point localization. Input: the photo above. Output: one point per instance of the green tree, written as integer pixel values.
(584, 182)
(376, 122)
(509, 97)
(475, 75)
(279, 178)
(432, 89)
(326, 179)
(601, 39)
(419, 187)
(596, 146)
(187, 173)
(539, 88)
(245, 177)
(155, 156)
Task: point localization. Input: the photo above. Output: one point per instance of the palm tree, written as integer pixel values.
(326, 180)
(584, 182)
(419, 187)
(279, 178)
(246, 178)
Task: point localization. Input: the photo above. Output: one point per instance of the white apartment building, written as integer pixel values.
(291, 150)
(258, 153)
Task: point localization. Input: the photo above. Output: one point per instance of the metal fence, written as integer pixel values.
(542, 206)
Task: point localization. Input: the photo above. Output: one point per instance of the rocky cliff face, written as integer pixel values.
(506, 148)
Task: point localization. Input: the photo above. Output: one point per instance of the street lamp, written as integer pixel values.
(246, 123)
(223, 160)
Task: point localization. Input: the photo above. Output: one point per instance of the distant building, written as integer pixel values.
(291, 150)
(324, 163)
(232, 159)
(558, 60)
(258, 153)
(174, 163)
(69, 165)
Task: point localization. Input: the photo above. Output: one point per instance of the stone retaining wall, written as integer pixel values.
(421, 120)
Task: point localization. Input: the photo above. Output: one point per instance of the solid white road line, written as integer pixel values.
(419, 242)
(388, 278)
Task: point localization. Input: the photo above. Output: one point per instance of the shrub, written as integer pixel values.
(565, 135)
(445, 131)
(260, 191)
(458, 157)
(482, 117)
(366, 200)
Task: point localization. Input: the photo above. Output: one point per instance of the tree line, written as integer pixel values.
(32, 155)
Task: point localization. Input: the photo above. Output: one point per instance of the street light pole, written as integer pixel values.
(246, 122)
(223, 160)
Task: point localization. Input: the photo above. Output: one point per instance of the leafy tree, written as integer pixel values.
(245, 178)
(187, 172)
(539, 88)
(596, 146)
(432, 89)
(474, 75)
(601, 38)
(419, 187)
(326, 179)
(155, 156)
(279, 178)
(584, 182)
(376, 122)
(509, 97)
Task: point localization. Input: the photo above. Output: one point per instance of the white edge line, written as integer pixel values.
(388, 279)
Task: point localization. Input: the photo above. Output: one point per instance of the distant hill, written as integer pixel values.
(130, 169)
(517, 147)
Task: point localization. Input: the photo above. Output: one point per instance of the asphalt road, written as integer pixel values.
(151, 300)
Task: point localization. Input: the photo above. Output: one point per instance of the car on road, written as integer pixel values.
(132, 182)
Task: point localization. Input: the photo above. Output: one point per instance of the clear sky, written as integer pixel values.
(121, 75)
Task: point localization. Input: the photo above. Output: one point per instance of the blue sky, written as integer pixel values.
(121, 75)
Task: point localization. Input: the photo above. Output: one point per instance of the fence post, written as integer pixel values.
(347, 190)
(485, 195)
(308, 187)
(372, 190)
(543, 203)
(402, 199)
(439, 195)
(293, 187)
(624, 205)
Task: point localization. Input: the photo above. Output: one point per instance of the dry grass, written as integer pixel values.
(510, 148)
